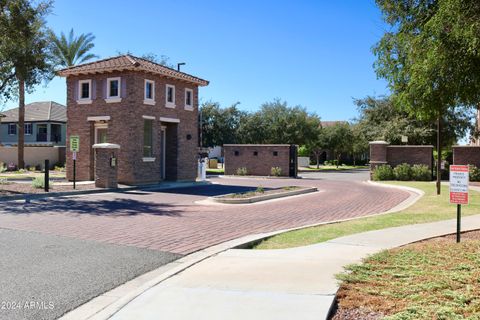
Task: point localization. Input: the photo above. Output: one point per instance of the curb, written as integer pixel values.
(28, 197)
(221, 199)
(109, 303)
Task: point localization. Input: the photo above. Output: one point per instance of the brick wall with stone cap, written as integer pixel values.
(106, 172)
(466, 155)
(258, 159)
(382, 152)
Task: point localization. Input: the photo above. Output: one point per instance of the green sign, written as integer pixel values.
(74, 143)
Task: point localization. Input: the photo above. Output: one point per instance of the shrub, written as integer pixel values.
(276, 171)
(3, 167)
(474, 173)
(421, 172)
(403, 172)
(383, 172)
(242, 171)
(260, 189)
(303, 151)
(39, 182)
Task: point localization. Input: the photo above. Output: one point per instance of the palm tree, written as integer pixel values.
(73, 50)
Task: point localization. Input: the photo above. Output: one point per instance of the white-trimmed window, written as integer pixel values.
(188, 99)
(28, 129)
(170, 96)
(84, 91)
(113, 90)
(12, 129)
(149, 92)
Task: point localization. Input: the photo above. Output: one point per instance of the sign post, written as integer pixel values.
(74, 148)
(459, 191)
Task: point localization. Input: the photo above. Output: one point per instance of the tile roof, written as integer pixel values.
(39, 111)
(129, 62)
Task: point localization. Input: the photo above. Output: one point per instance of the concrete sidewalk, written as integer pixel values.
(295, 283)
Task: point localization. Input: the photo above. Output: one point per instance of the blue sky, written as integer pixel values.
(313, 53)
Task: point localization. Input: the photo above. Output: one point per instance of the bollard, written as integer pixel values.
(47, 175)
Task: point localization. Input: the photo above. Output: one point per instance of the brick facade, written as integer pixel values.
(258, 159)
(126, 125)
(466, 155)
(383, 153)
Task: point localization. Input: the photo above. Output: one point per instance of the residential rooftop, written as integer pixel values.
(39, 111)
(129, 62)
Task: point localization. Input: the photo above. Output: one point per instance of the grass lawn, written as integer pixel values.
(331, 168)
(434, 279)
(215, 171)
(427, 209)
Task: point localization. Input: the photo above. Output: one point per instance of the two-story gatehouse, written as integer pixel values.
(148, 109)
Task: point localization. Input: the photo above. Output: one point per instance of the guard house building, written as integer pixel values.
(150, 110)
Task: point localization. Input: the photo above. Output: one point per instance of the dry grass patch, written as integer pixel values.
(434, 279)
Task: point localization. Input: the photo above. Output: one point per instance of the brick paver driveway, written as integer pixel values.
(172, 221)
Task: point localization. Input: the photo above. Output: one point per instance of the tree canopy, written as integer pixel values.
(431, 58)
(275, 122)
(379, 119)
(25, 60)
(24, 54)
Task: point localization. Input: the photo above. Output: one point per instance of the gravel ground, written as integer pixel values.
(44, 276)
(23, 188)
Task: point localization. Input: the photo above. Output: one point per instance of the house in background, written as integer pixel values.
(45, 128)
(149, 110)
(45, 125)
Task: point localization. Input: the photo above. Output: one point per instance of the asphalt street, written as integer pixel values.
(44, 276)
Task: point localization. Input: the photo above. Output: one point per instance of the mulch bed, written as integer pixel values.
(364, 312)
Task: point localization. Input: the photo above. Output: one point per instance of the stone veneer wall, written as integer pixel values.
(466, 155)
(125, 128)
(257, 165)
(383, 153)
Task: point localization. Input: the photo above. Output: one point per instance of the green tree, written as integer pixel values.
(24, 59)
(379, 119)
(430, 57)
(220, 125)
(276, 122)
(71, 50)
(360, 144)
(338, 138)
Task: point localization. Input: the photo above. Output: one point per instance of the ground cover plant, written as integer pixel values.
(427, 209)
(259, 191)
(434, 279)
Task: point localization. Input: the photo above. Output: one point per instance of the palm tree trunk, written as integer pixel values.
(21, 122)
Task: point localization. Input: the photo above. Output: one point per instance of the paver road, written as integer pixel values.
(172, 221)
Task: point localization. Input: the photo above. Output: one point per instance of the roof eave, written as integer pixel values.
(70, 72)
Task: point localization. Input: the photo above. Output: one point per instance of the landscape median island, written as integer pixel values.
(261, 194)
(428, 208)
(432, 279)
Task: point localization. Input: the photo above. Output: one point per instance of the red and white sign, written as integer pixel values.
(459, 184)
